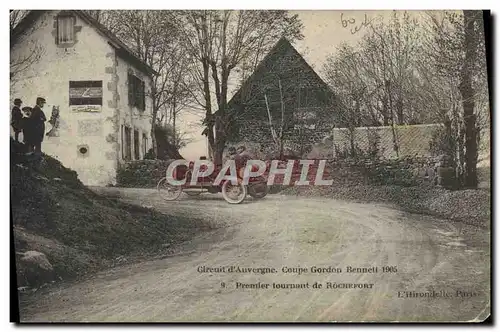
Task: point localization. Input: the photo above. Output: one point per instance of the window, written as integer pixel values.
(65, 29)
(83, 150)
(126, 143)
(85, 93)
(122, 140)
(136, 92)
(305, 118)
(136, 145)
(144, 144)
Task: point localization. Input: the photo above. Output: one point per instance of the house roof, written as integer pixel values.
(282, 45)
(122, 50)
(278, 49)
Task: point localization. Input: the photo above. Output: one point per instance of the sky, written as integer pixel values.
(323, 31)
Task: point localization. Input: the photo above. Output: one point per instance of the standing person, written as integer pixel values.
(241, 157)
(16, 121)
(37, 121)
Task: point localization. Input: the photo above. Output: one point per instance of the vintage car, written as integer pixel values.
(232, 193)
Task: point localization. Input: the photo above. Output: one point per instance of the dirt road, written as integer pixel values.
(436, 271)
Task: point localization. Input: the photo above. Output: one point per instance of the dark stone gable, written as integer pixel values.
(309, 104)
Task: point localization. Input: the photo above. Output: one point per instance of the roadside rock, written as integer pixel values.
(34, 268)
(38, 259)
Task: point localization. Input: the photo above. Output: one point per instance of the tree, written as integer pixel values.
(218, 44)
(380, 71)
(456, 51)
(21, 63)
(344, 74)
(373, 79)
(165, 149)
(15, 16)
(277, 135)
(466, 89)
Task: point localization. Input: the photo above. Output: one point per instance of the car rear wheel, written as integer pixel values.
(234, 194)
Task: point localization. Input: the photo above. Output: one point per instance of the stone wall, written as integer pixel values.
(406, 171)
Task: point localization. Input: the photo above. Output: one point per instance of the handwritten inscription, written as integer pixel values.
(351, 23)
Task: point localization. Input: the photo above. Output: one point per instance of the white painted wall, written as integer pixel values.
(49, 78)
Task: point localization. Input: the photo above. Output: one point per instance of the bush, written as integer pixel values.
(141, 173)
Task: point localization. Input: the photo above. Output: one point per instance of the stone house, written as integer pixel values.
(96, 90)
(283, 83)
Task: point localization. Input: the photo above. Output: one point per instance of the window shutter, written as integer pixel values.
(130, 90)
(72, 23)
(59, 29)
(137, 89)
(65, 29)
(143, 94)
(134, 91)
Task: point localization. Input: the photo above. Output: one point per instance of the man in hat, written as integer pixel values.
(37, 125)
(242, 156)
(17, 116)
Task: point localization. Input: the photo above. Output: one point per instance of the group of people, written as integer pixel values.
(31, 122)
